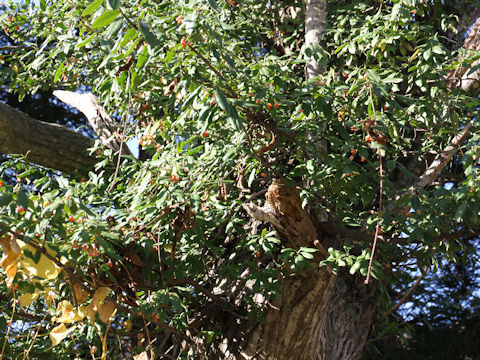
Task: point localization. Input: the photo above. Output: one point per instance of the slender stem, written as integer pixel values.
(9, 325)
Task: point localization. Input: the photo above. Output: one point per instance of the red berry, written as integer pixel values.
(276, 104)
(184, 42)
(71, 218)
(269, 106)
(362, 159)
(205, 134)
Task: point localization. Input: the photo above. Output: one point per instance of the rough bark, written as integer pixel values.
(50, 145)
(318, 315)
(464, 78)
(315, 17)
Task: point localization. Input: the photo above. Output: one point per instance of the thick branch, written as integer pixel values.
(470, 82)
(443, 158)
(49, 145)
(101, 122)
(315, 17)
(283, 210)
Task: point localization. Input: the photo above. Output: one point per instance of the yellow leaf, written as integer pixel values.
(45, 268)
(69, 313)
(127, 324)
(80, 295)
(90, 312)
(59, 333)
(99, 297)
(28, 299)
(106, 311)
(141, 356)
(11, 255)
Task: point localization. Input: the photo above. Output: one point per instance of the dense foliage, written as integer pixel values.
(214, 93)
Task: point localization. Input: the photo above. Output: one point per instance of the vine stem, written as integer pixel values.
(378, 220)
(379, 152)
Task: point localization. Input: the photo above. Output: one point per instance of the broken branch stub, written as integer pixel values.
(283, 210)
(97, 116)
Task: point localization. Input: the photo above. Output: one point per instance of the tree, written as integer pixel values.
(295, 157)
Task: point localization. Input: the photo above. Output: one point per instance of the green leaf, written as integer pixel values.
(5, 198)
(460, 211)
(114, 28)
(147, 34)
(92, 7)
(105, 19)
(191, 23)
(22, 199)
(222, 100)
(213, 4)
(355, 267)
(114, 4)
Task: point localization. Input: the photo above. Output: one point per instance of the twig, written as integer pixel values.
(408, 293)
(34, 337)
(104, 340)
(380, 201)
(127, 112)
(9, 326)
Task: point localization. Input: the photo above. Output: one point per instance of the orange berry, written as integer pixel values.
(184, 42)
(353, 151)
(472, 190)
(205, 134)
(269, 106)
(368, 138)
(385, 108)
(258, 101)
(71, 218)
(414, 11)
(1, 183)
(276, 104)
(263, 174)
(362, 159)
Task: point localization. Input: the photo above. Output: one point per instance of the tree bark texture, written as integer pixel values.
(464, 78)
(315, 17)
(50, 145)
(318, 315)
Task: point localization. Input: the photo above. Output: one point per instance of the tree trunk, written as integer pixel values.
(318, 315)
(49, 145)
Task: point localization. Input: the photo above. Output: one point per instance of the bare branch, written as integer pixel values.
(101, 122)
(408, 294)
(443, 158)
